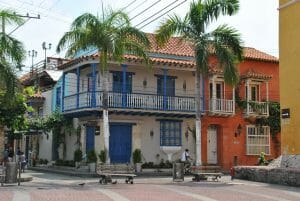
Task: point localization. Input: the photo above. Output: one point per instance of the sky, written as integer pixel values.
(256, 21)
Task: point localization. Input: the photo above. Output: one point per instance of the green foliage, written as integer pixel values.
(273, 120)
(102, 156)
(262, 159)
(69, 163)
(12, 112)
(77, 155)
(137, 156)
(91, 156)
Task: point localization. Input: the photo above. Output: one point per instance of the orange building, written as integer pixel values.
(230, 135)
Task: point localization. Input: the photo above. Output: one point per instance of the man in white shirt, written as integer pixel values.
(186, 159)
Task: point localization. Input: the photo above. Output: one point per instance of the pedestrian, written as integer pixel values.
(6, 155)
(23, 161)
(186, 159)
(10, 154)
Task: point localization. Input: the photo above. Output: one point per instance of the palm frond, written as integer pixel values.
(173, 25)
(201, 56)
(118, 19)
(11, 49)
(212, 9)
(230, 38)
(10, 17)
(227, 60)
(135, 48)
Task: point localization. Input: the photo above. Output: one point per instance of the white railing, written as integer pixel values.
(258, 108)
(131, 100)
(221, 106)
(70, 102)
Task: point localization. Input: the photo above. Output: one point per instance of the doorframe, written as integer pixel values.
(212, 126)
(123, 124)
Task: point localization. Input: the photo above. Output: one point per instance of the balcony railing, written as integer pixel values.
(130, 100)
(258, 108)
(221, 106)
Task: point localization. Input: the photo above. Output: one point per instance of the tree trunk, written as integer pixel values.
(198, 119)
(105, 114)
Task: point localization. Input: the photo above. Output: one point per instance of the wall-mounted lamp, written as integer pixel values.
(151, 133)
(145, 82)
(238, 130)
(184, 85)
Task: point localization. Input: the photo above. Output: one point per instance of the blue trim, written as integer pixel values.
(117, 71)
(63, 92)
(124, 68)
(78, 86)
(165, 89)
(94, 66)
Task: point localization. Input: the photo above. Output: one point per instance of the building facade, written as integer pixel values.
(289, 50)
(154, 109)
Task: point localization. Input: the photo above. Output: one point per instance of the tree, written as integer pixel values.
(113, 36)
(224, 42)
(12, 53)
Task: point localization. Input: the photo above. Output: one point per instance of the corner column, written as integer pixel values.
(94, 85)
(248, 96)
(165, 89)
(78, 86)
(124, 91)
(63, 92)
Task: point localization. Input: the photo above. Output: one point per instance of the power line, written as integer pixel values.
(156, 13)
(145, 9)
(163, 14)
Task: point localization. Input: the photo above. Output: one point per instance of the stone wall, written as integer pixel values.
(285, 176)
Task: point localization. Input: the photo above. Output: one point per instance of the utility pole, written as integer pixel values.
(24, 16)
(45, 48)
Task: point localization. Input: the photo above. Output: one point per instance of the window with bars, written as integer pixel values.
(258, 140)
(170, 133)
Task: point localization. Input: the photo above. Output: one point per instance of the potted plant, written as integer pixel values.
(77, 157)
(102, 156)
(92, 159)
(137, 160)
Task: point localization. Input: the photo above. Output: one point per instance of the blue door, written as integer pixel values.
(90, 138)
(120, 143)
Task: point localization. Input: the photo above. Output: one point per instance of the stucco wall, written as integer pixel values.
(45, 143)
(289, 51)
(149, 145)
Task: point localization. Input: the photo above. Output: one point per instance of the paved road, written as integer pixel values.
(53, 187)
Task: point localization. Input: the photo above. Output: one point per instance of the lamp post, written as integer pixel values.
(32, 54)
(45, 48)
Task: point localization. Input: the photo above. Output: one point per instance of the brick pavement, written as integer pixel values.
(47, 187)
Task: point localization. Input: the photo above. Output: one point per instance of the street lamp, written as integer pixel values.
(32, 54)
(45, 48)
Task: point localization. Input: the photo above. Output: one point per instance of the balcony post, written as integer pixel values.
(124, 68)
(267, 96)
(94, 65)
(214, 94)
(63, 91)
(233, 100)
(248, 92)
(78, 86)
(165, 89)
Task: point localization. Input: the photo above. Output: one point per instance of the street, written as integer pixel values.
(53, 187)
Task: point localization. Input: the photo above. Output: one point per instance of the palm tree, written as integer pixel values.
(12, 52)
(113, 36)
(224, 42)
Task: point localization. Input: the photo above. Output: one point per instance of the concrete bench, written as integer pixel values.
(215, 176)
(107, 172)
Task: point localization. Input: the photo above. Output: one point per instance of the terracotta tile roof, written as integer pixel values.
(251, 73)
(177, 48)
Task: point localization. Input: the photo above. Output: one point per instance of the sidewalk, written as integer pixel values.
(70, 171)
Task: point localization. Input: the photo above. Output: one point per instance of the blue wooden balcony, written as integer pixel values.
(136, 101)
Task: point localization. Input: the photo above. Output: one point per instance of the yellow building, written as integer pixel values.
(289, 61)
